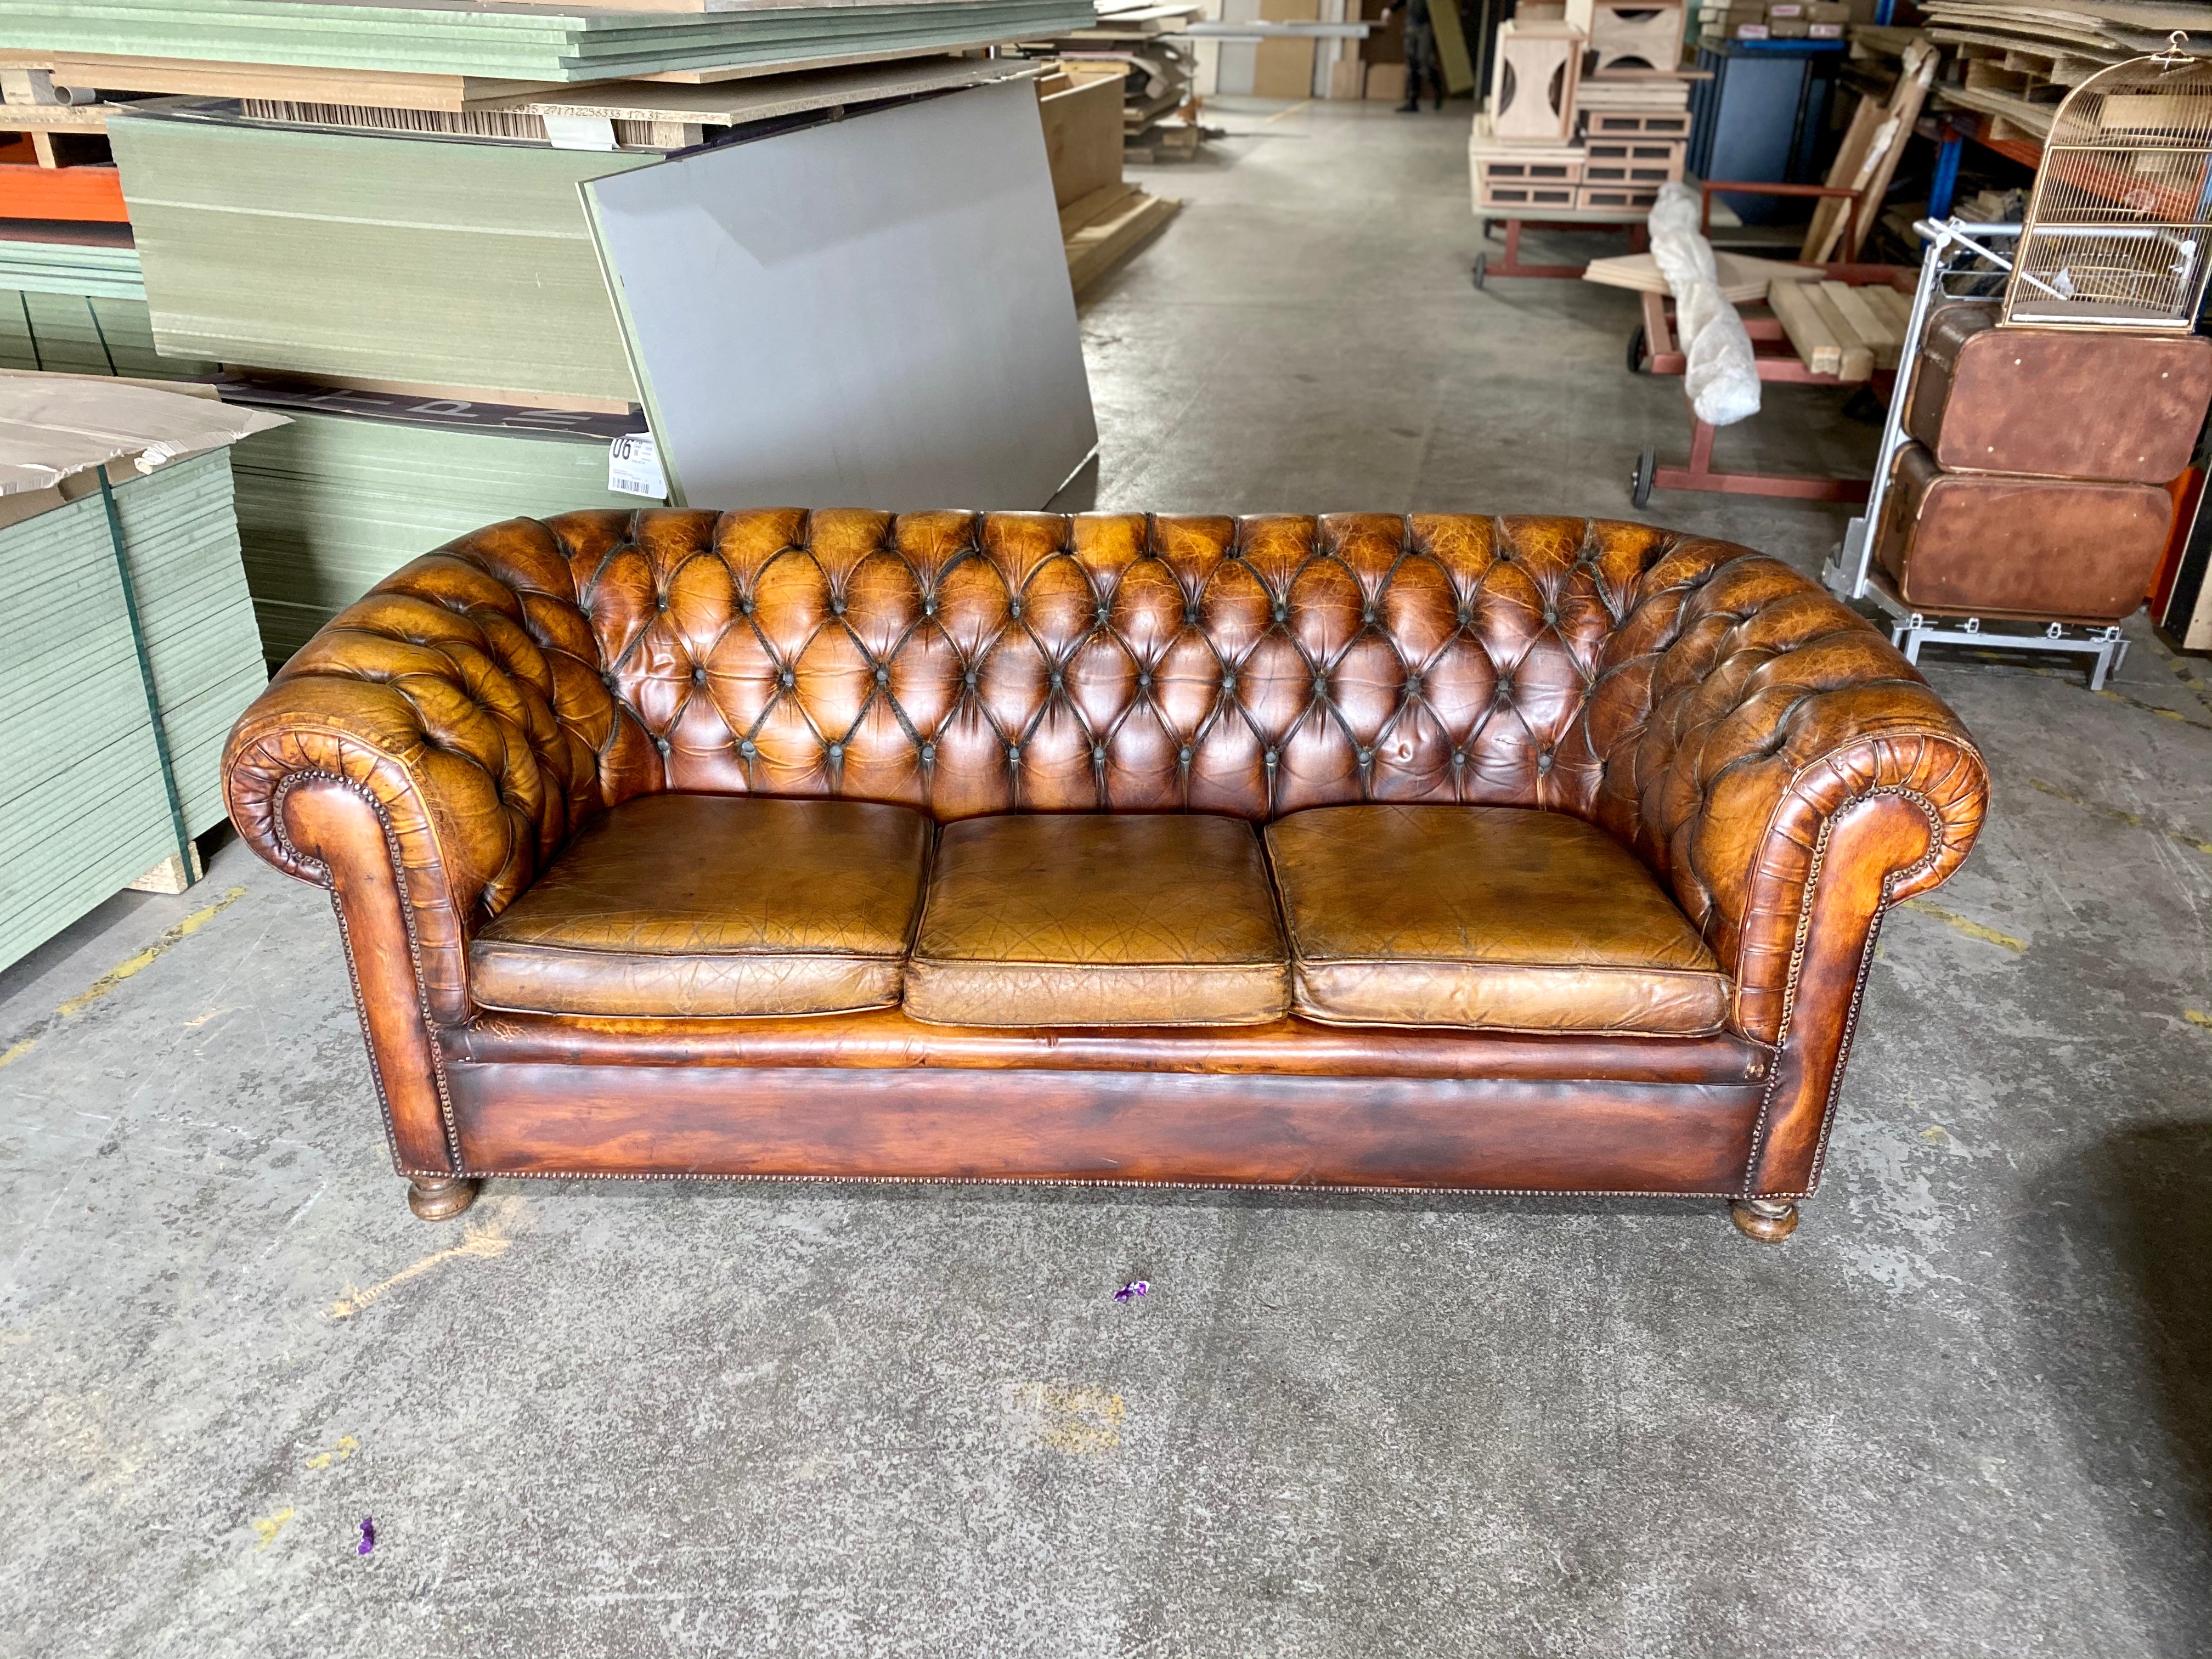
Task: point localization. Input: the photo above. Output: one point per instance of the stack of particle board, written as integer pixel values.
(85, 805)
(359, 483)
(466, 46)
(79, 308)
(1777, 20)
(1743, 280)
(1840, 329)
(1103, 219)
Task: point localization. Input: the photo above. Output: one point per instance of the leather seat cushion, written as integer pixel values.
(1098, 920)
(689, 906)
(1488, 918)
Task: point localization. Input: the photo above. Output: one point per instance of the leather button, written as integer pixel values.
(969, 679)
(1543, 761)
(928, 753)
(787, 679)
(1056, 681)
(1098, 753)
(1229, 682)
(612, 684)
(1144, 679)
(1413, 685)
(929, 605)
(837, 607)
(836, 751)
(1014, 605)
(1098, 618)
(1185, 755)
(1282, 613)
(1551, 617)
(1365, 756)
(698, 677)
(1271, 756)
(1013, 752)
(883, 674)
(748, 749)
(662, 745)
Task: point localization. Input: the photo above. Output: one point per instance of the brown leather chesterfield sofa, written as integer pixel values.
(1526, 855)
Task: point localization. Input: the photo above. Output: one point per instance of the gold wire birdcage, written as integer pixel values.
(2119, 229)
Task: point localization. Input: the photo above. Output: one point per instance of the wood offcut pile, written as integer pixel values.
(1103, 219)
(1840, 329)
(1141, 45)
(2019, 60)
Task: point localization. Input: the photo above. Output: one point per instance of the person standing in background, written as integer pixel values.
(1421, 61)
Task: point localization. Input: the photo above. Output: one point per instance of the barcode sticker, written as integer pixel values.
(633, 467)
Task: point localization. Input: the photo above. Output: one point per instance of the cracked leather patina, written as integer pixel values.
(1091, 919)
(1492, 918)
(1776, 769)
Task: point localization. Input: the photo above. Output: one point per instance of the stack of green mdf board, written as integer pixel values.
(537, 45)
(83, 807)
(333, 503)
(375, 259)
(71, 309)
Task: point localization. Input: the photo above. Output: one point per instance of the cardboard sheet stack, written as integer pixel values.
(2017, 60)
(132, 644)
(434, 311)
(1589, 109)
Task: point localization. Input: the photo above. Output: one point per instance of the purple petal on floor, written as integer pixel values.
(1135, 1287)
(367, 1534)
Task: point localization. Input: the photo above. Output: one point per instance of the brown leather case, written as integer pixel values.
(2059, 402)
(2057, 549)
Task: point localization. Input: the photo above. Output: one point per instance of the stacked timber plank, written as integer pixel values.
(1841, 330)
(133, 648)
(1744, 280)
(1103, 219)
(1867, 160)
(1589, 109)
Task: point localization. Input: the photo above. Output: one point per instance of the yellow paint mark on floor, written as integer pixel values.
(487, 1237)
(1936, 1135)
(2197, 1016)
(1966, 925)
(1080, 1422)
(1282, 113)
(346, 1447)
(147, 958)
(18, 1051)
(2121, 815)
(269, 1526)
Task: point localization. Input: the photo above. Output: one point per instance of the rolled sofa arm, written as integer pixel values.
(422, 756)
(1776, 759)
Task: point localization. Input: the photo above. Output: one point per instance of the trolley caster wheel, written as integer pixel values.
(1639, 481)
(1481, 268)
(1636, 350)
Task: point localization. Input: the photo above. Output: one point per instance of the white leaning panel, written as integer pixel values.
(873, 312)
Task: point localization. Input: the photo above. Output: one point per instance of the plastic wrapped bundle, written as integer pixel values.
(1721, 378)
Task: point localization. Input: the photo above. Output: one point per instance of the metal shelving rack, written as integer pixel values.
(1958, 263)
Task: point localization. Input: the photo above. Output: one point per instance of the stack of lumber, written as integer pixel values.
(359, 483)
(1743, 280)
(465, 44)
(79, 307)
(1103, 219)
(1840, 329)
(85, 807)
(1142, 45)
(1867, 161)
(417, 278)
(1589, 109)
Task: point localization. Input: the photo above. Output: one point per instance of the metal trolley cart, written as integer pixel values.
(1960, 263)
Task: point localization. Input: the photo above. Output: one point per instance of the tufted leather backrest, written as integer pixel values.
(970, 664)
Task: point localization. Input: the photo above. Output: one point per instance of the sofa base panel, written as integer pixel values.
(1124, 1127)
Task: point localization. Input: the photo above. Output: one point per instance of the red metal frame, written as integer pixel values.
(1511, 265)
(1777, 363)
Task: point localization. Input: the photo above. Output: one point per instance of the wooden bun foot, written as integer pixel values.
(440, 1198)
(1769, 1220)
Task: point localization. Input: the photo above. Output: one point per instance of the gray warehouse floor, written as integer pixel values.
(1966, 1410)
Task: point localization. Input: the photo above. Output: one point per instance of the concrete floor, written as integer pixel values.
(1966, 1410)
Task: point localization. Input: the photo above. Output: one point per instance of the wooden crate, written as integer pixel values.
(1623, 199)
(1645, 162)
(1532, 87)
(1633, 124)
